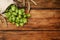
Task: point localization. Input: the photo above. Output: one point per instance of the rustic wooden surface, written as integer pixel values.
(46, 4)
(40, 20)
(30, 35)
(44, 23)
(43, 4)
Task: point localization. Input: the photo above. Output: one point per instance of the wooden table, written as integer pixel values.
(44, 23)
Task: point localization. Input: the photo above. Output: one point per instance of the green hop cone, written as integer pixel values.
(8, 14)
(14, 13)
(24, 20)
(17, 24)
(19, 16)
(12, 16)
(20, 13)
(28, 15)
(21, 20)
(13, 19)
(10, 10)
(23, 14)
(10, 19)
(13, 7)
(16, 10)
(21, 24)
(13, 22)
(16, 16)
(22, 10)
(17, 20)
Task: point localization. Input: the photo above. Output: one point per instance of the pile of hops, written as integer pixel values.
(16, 15)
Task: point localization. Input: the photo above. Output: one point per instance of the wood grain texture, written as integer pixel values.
(43, 24)
(42, 4)
(1, 35)
(32, 35)
(46, 4)
(40, 20)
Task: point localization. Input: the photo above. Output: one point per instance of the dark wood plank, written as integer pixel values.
(43, 4)
(40, 20)
(32, 35)
(46, 4)
(1, 35)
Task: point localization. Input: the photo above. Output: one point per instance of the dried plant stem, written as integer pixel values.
(33, 2)
(24, 2)
(4, 20)
(28, 5)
